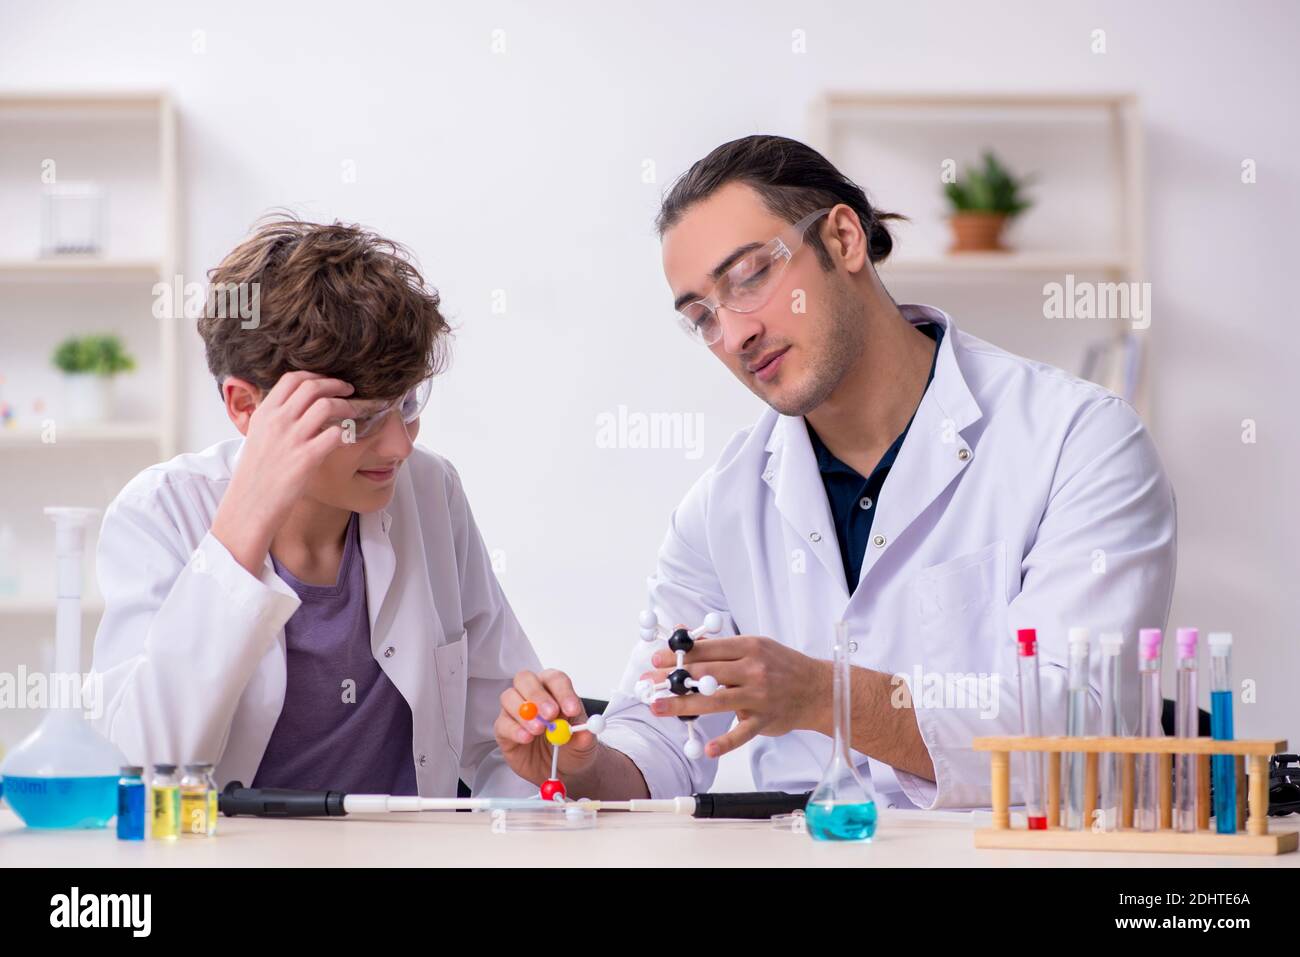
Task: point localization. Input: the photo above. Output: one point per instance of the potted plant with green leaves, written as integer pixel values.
(89, 364)
(983, 200)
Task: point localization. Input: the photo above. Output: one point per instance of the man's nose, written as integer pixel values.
(739, 329)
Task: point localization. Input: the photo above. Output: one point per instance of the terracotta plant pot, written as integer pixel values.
(977, 232)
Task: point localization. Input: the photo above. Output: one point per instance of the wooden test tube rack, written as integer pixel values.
(1251, 760)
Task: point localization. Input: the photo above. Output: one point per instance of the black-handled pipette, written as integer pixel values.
(238, 800)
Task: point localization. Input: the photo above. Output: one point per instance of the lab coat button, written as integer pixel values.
(389, 652)
(767, 476)
(853, 646)
(422, 760)
(814, 537)
(879, 541)
(963, 454)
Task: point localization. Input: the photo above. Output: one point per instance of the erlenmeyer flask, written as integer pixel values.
(842, 806)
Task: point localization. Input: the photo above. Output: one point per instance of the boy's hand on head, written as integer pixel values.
(523, 742)
(289, 434)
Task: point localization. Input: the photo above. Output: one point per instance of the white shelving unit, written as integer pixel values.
(127, 143)
(1086, 150)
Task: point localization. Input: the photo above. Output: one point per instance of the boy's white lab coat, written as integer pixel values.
(191, 648)
(1022, 497)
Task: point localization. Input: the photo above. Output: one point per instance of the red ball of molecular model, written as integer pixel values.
(558, 733)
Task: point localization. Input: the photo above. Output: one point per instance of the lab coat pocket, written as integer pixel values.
(961, 607)
(450, 660)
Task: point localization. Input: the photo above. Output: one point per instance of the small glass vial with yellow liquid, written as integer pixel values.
(198, 801)
(164, 803)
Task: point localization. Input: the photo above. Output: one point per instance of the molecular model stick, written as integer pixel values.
(679, 681)
(558, 732)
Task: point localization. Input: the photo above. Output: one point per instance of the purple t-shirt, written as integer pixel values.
(353, 737)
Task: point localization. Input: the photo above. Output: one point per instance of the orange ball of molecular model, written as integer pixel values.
(558, 733)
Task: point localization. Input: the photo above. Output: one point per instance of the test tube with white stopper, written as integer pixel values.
(1112, 726)
(1076, 726)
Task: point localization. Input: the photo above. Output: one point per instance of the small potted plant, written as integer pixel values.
(89, 364)
(983, 200)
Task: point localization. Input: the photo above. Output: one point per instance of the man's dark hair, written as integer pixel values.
(792, 178)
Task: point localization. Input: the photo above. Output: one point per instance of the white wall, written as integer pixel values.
(522, 172)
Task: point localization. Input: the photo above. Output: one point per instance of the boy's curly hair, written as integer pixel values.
(335, 299)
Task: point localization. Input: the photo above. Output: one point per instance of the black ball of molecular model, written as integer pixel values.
(679, 680)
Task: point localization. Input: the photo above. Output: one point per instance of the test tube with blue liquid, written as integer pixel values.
(1223, 766)
(1076, 720)
(1146, 813)
(843, 806)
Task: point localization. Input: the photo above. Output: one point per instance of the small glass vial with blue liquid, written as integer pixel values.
(842, 806)
(131, 805)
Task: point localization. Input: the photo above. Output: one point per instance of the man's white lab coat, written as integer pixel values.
(1022, 497)
(191, 646)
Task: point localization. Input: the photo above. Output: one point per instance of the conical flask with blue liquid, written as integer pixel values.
(842, 806)
(64, 774)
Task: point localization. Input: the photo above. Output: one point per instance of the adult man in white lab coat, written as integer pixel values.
(311, 605)
(924, 486)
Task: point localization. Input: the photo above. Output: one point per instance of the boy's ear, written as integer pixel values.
(241, 398)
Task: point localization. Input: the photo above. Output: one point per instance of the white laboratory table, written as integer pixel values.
(442, 839)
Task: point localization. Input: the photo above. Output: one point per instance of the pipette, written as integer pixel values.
(287, 802)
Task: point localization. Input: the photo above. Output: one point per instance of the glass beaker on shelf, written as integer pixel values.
(842, 806)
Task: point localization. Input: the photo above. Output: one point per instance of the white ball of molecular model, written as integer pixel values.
(679, 681)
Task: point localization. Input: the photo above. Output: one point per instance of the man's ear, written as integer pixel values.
(241, 398)
(845, 238)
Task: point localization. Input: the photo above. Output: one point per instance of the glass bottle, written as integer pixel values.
(842, 806)
(130, 804)
(198, 801)
(165, 797)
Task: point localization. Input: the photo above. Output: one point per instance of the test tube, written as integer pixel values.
(1146, 816)
(1112, 726)
(1185, 726)
(1223, 766)
(1031, 725)
(1076, 721)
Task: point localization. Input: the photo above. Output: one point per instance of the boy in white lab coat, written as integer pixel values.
(310, 605)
